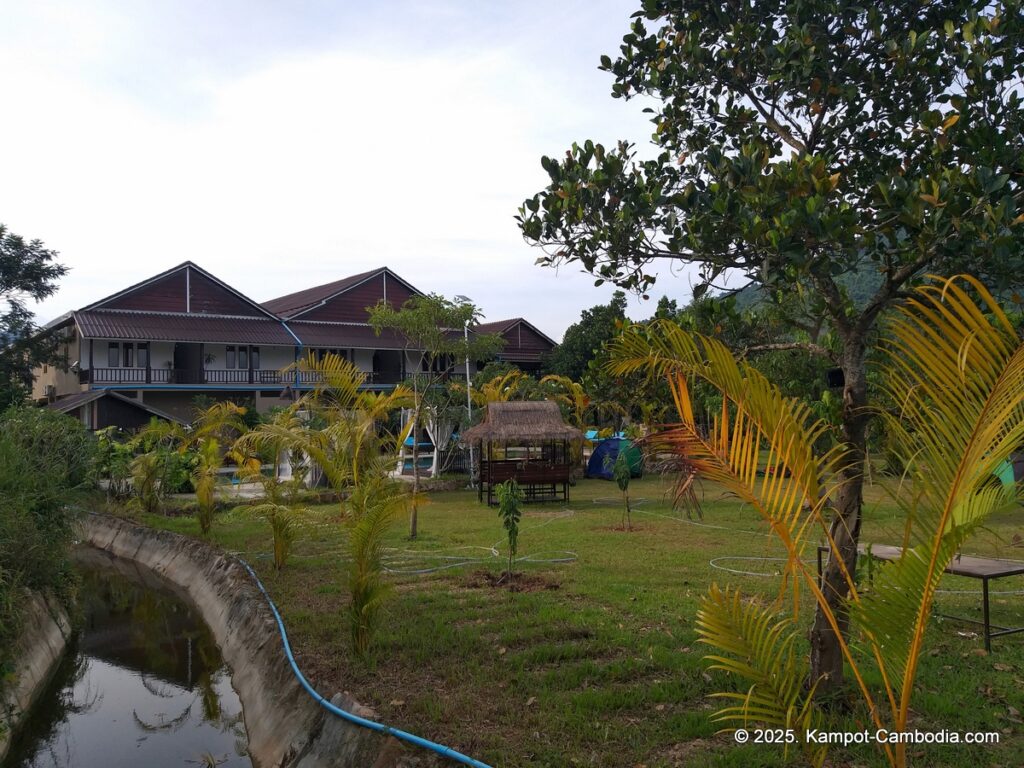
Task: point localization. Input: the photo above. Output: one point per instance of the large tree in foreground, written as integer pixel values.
(797, 142)
(28, 272)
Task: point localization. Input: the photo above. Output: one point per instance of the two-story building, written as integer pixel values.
(157, 345)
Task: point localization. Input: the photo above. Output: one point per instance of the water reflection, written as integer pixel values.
(142, 685)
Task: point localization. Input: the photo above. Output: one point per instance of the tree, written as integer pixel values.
(28, 270)
(953, 360)
(432, 327)
(582, 340)
(800, 142)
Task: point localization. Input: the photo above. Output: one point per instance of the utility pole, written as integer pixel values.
(469, 404)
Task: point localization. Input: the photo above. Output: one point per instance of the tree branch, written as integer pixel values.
(805, 346)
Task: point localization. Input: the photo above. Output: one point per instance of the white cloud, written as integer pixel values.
(306, 167)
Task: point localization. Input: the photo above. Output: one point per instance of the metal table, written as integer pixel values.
(984, 568)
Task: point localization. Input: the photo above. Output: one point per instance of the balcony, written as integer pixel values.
(228, 377)
(215, 377)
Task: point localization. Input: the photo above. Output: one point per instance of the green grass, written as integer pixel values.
(598, 665)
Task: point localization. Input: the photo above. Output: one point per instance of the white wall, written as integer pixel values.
(364, 360)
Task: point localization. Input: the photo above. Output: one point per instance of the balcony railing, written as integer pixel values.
(228, 377)
(216, 377)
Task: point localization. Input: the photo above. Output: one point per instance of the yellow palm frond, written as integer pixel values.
(955, 368)
(336, 381)
(757, 645)
(788, 488)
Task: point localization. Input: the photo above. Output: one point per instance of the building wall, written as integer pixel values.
(272, 358)
(64, 381)
(363, 359)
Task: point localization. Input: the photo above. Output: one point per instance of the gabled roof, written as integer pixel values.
(502, 326)
(298, 303)
(497, 326)
(70, 403)
(185, 267)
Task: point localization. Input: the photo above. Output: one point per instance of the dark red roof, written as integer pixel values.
(155, 326)
(498, 326)
(184, 288)
(541, 340)
(71, 402)
(343, 335)
(296, 302)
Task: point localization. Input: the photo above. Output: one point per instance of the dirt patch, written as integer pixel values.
(515, 582)
(686, 752)
(620, 528)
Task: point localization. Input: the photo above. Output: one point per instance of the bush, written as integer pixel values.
(45, 458)
(55, 445)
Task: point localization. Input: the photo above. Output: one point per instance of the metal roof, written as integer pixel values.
(294, 302)
(501, 326)
(156, 326)
(342, 335)
(297, 303)
(71, 402)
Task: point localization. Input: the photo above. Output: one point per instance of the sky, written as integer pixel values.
(283, 145)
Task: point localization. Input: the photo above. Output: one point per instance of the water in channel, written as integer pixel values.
(142, 683)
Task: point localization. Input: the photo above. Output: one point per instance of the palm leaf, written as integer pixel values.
(789, 492)
(956, 369)
(757, 645)
(792, 490)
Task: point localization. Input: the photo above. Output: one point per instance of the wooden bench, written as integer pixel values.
(540, 479)
(985, 569)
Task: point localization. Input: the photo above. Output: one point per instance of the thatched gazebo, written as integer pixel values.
(527, 442)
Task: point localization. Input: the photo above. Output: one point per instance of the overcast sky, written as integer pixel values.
(284, 144)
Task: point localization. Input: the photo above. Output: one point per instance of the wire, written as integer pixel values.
(413, 563)
(715, 562)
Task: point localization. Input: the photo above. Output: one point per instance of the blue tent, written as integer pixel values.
(607, 451)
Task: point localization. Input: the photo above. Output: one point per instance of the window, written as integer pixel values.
(113, 355)
(238, 357)
(129, 355)
(142, 355)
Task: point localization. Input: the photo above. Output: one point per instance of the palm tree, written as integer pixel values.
(580, 406)
(352, 418)
(371, 509)
(204, 479)
(500, 389)
(956, 367)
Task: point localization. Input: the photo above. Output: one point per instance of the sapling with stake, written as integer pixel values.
(510, 496)
(621, 474)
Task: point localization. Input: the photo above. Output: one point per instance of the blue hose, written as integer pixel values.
(362, 721)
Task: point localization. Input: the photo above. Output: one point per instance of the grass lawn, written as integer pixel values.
(597, 663)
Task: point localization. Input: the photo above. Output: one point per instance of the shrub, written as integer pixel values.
(45, 458)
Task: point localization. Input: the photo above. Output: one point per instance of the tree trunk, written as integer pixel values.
(826, 654)
(415, 467)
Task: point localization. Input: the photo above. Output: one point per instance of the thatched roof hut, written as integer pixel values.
(527, 442)
(522, 422)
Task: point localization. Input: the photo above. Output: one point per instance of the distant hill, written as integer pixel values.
(861, 286)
